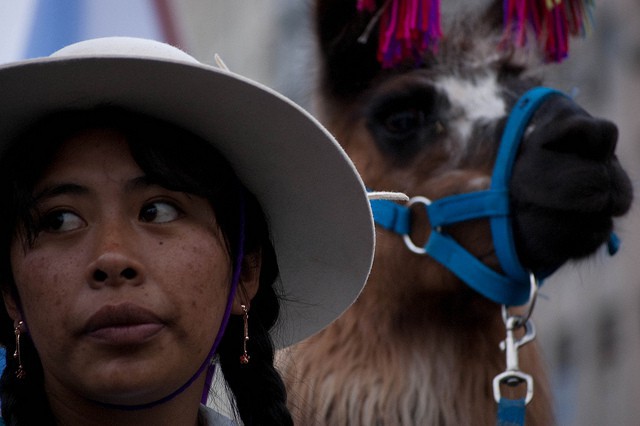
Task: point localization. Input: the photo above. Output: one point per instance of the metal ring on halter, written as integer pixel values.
(533, 296)
(407, 239)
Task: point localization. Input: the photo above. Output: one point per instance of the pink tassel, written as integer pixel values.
(366, 5)
(551, 21)
(407, 29)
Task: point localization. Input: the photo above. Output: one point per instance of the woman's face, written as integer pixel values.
(125, 287)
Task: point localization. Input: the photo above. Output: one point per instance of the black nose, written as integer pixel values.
(589, 137)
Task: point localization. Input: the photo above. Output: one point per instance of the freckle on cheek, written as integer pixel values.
(201, 290)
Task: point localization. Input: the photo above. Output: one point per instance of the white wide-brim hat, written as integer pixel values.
(315, 202)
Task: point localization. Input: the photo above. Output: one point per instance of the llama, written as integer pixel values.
(419, 347)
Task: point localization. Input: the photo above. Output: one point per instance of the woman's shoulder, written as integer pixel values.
(211, 418)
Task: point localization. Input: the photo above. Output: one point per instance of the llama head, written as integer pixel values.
(434, 130)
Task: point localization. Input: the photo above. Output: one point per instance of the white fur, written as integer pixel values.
(477, 101)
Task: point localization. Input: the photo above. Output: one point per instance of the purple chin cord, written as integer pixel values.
(206, 364)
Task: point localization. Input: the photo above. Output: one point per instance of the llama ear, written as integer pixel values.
(493, 17)
(348, 64)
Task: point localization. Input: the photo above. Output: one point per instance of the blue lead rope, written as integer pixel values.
(511, 412)
(513, 287)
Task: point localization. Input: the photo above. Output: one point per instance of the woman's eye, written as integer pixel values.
(61, 221)
(159, 212)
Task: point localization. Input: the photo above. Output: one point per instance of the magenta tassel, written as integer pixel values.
(366, 5)
(407, 28)
(551, 21)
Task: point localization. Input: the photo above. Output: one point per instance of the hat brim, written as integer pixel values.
(315, 202)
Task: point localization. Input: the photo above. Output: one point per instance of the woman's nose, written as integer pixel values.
(115, 263)
(114, 269)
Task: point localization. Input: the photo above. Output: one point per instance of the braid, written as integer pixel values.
(24, 401)
(259, 392)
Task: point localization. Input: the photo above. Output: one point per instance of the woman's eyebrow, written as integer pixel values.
(137, 183)
(140, 182)
(144, 182)
(61, 189)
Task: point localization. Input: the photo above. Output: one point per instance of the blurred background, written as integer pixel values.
(588, 316)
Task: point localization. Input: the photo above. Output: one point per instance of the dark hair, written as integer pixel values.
(177, 160)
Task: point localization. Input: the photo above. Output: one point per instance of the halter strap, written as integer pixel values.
(512, 287)
(511, 138)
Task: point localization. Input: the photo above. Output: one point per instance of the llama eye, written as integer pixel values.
(404, 123)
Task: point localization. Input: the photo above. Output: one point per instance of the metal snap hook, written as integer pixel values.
(513, 376)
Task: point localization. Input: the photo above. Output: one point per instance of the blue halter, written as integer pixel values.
(512, 288)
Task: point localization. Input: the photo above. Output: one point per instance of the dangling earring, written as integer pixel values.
(20, 372)
(244, 358)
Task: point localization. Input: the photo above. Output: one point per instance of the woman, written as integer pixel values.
(161, 215)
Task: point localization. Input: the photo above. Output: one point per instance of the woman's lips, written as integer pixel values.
(124, 324)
